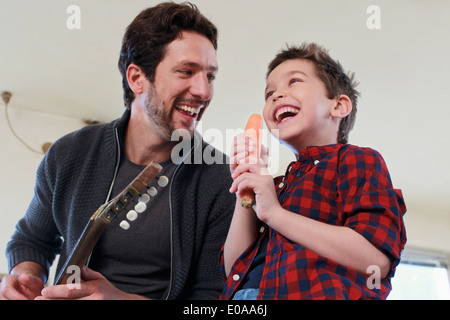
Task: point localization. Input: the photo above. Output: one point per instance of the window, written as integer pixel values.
(421, 275)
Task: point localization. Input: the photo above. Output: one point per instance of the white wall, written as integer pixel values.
(18, 165)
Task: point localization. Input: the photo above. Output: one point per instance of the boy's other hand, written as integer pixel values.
(241, 152)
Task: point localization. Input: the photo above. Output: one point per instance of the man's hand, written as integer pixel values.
(24, 283)
(20, 287)
(93, 286)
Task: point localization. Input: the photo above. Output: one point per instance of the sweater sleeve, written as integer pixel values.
(36, 237)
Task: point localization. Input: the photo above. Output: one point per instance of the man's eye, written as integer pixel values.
(185, 72)
(211, 77)
(268, 94)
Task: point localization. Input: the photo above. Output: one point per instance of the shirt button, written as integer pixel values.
(236, 277)
(281, 185)
(261, 230)
(316, 162)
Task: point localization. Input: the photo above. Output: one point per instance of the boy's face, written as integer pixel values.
(297, 105)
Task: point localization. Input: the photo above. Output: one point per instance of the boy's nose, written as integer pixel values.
(277, 95)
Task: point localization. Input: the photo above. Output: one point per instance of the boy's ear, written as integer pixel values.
(343, 107)
(135, 77)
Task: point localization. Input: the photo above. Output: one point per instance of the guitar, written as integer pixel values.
(105, 214)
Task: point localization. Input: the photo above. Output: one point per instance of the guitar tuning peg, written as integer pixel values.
(152, 191)
(145, 198)
(163, 181)
(132, 215)
(124, 225)
(140, 207)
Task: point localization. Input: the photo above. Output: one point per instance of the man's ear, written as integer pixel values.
(135, 78)
(343, 107)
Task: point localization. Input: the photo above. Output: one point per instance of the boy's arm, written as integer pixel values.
(243, 227)
(240, 236)
(339, 243)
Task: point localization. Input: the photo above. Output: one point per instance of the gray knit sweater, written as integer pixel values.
(75, 178)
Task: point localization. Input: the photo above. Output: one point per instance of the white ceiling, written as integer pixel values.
(402, 68)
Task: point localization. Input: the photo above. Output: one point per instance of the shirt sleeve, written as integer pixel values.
(370, 204)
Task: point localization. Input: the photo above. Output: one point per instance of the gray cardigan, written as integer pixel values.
(75, 178)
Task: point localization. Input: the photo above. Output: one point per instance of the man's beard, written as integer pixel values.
(159, 114)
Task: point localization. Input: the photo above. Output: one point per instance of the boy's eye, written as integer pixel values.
(269, 94)
(293, 80)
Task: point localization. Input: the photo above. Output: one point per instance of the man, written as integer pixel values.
(168, 64)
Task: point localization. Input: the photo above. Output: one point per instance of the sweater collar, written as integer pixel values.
(121, 125)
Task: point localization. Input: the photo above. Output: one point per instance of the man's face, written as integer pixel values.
(183, 85)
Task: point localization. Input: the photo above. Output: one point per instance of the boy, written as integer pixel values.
(332, 226)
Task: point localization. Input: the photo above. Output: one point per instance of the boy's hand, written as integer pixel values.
(261, 182)
(241, 149)
(250, 172)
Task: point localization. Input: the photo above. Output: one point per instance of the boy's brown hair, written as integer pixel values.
(332, 74)
(146, 38)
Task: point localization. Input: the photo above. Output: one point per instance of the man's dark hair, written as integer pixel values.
(331, 73)
(146, 38)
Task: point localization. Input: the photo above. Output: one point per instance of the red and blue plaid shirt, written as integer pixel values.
(341, 185)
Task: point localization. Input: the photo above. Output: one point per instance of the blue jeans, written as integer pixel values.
(246, 294)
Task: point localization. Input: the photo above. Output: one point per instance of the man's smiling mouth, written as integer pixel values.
(188, 110)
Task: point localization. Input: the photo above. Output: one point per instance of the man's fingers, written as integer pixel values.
(89, 274)
(10, 289)
(32, 283)
(63, 292)
(23, 287)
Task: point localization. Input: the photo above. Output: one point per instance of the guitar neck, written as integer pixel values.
(101, 219)
(82, 250)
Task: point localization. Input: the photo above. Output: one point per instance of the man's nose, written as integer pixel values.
(201, 87)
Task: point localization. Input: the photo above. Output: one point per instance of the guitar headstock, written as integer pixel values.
(141, 206)
(137, 188)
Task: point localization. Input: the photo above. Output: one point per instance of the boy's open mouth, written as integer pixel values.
(285, 112)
